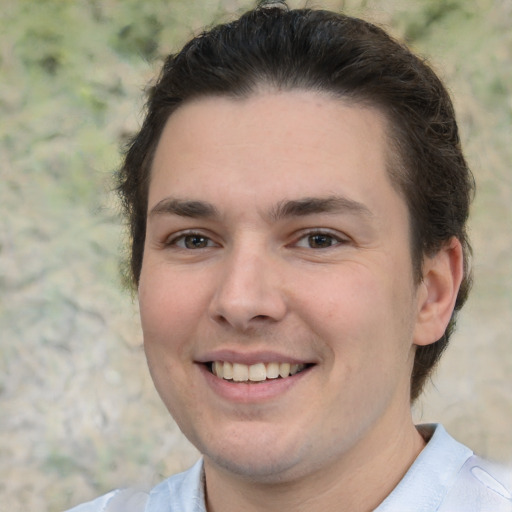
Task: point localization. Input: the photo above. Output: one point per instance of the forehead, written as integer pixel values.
(270, 144)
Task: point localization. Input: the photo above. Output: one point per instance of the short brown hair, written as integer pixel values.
(351, 59)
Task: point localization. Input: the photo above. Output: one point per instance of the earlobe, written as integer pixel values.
(442, 275)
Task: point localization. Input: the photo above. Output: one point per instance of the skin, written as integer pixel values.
(240, 264)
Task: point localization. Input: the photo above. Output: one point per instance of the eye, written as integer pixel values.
(191, 241)
(319, 240)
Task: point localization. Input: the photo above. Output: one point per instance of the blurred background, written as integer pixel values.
(78, 413)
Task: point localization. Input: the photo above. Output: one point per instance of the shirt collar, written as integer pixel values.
(183, 492)
(431, 476)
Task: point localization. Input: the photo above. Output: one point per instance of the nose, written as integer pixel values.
(249, 291)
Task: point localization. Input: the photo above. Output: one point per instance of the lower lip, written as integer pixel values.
(247, 392)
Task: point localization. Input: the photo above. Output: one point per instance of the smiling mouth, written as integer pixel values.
(259, 372)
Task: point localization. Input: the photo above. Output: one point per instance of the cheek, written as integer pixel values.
(169, 307)
(359, 311)
(169, 316)
(345, 299)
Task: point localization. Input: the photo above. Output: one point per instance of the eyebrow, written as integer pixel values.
(284, 209)
(314, 205)
(184, 208)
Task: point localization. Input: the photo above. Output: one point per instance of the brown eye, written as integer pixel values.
(190, 241)
(321, 241)
(195, 242)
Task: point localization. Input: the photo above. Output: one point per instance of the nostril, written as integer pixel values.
(261, 317)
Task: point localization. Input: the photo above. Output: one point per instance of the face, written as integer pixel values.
(277, 298)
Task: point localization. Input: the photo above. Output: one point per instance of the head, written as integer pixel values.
(272, 48)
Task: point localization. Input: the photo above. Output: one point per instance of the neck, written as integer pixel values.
(357, 483)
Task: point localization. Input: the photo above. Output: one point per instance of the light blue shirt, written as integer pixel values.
(446, 477)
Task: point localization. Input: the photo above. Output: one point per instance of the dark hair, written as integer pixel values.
(317, 50)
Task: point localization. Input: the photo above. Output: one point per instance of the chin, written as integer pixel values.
(263, 469)
(268, 458)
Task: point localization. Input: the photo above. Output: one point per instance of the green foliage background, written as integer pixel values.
(78, 413)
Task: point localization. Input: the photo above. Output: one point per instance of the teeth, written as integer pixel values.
(218, 369)
(255, 373)
(272, 370)
(284, 370)
(227, 370)
(240, 372)
(294, 368)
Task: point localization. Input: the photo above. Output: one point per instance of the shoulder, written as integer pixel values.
(480, 486)
(448, 477)
(183, 492)
(120, 500)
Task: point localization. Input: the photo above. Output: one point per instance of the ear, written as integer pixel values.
(437, 293)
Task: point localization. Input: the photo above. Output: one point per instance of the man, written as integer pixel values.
(297, 200)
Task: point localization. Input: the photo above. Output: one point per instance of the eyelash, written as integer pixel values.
(335, 240)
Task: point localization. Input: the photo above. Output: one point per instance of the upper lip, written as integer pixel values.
(249, 358)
